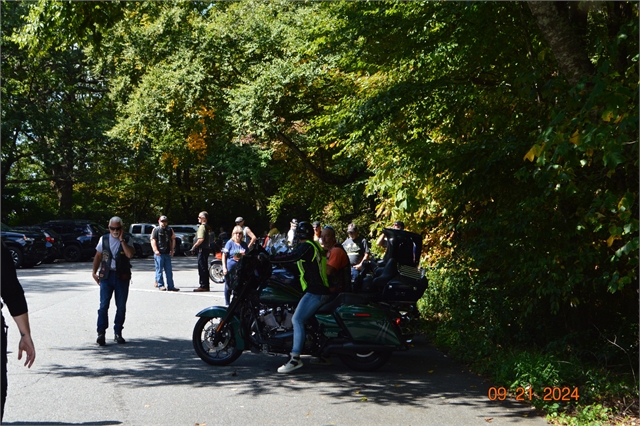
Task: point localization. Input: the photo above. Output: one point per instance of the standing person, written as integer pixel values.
(338, 266)
(223, 236)
(201, 247)
(163, 242)
(232, 252)
(291, 234)
(112, 259)
(317, 232)
(247, 234)
(311, 262)
(13, 295)
(273, 231)
(357, 249)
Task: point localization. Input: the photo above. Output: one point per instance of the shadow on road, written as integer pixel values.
(410, 377)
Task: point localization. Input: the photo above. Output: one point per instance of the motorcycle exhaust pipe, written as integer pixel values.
(350, 348)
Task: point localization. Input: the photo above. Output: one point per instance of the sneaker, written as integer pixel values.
(100, 340)
(162, 288)
(292, 364)
(318, 360)
(174, 289)
(119, 339)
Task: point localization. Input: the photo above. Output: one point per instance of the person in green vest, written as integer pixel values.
(312, 264)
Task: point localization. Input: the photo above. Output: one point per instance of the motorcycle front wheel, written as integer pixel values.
(215, 272)
(366, 361)
(222, 353)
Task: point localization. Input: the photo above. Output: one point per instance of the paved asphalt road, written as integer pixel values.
(157, 379)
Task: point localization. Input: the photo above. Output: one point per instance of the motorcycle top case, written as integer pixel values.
(404, 289)
(368, 324)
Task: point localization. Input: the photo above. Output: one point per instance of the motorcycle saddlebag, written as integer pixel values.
(368, 324)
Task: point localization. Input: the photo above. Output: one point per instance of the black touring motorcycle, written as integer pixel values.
(362, 328)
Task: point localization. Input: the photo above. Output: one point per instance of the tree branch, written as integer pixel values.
(324, 176)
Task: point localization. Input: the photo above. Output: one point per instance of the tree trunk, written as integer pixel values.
(64, 189)
(567, 47)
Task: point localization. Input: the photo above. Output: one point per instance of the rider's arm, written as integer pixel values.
(154, 243)
(365, 257)
(128, 250)
(197, 244)
(224, 262)
(97, 259)
(381, 241)
(294, 256)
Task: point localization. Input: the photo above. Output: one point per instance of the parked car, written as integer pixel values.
(27, 248)
(141, 246)
(55, 245)
(144, 230)
(187, 235)
(80, 237)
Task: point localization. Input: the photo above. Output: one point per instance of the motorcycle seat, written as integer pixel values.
(343, 299)
(390, 271)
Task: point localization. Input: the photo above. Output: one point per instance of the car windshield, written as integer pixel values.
(183, 229)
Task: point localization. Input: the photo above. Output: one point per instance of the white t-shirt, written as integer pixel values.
(114, 245)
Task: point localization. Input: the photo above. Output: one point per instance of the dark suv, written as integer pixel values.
(27, 248)
(80, 237)
(55, 246)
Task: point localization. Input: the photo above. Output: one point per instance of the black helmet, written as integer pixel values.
(304, 231)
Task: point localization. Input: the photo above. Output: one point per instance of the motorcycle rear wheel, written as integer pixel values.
(366, 361)
(215, 272)
(225, 352)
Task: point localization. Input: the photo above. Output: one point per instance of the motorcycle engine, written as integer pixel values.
(278, 319)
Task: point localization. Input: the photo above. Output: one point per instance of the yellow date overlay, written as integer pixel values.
(550, 393)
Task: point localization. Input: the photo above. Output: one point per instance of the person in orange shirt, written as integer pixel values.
(338, 266)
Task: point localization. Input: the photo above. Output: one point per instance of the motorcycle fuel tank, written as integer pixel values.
(278, 292)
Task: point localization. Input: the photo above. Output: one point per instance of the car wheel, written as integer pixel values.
(16, 255)
(138, 249)
(72, 253)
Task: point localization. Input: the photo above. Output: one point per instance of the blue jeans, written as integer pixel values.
(107, 288)
(231, 266)
(307, 306)
(163, 261)
(354, 274)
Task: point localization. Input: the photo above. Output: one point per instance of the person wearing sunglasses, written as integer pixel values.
(112, 259)
(201, 247)
(232, 252)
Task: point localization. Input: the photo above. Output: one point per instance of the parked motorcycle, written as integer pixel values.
(361, 329)
(215, 265)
